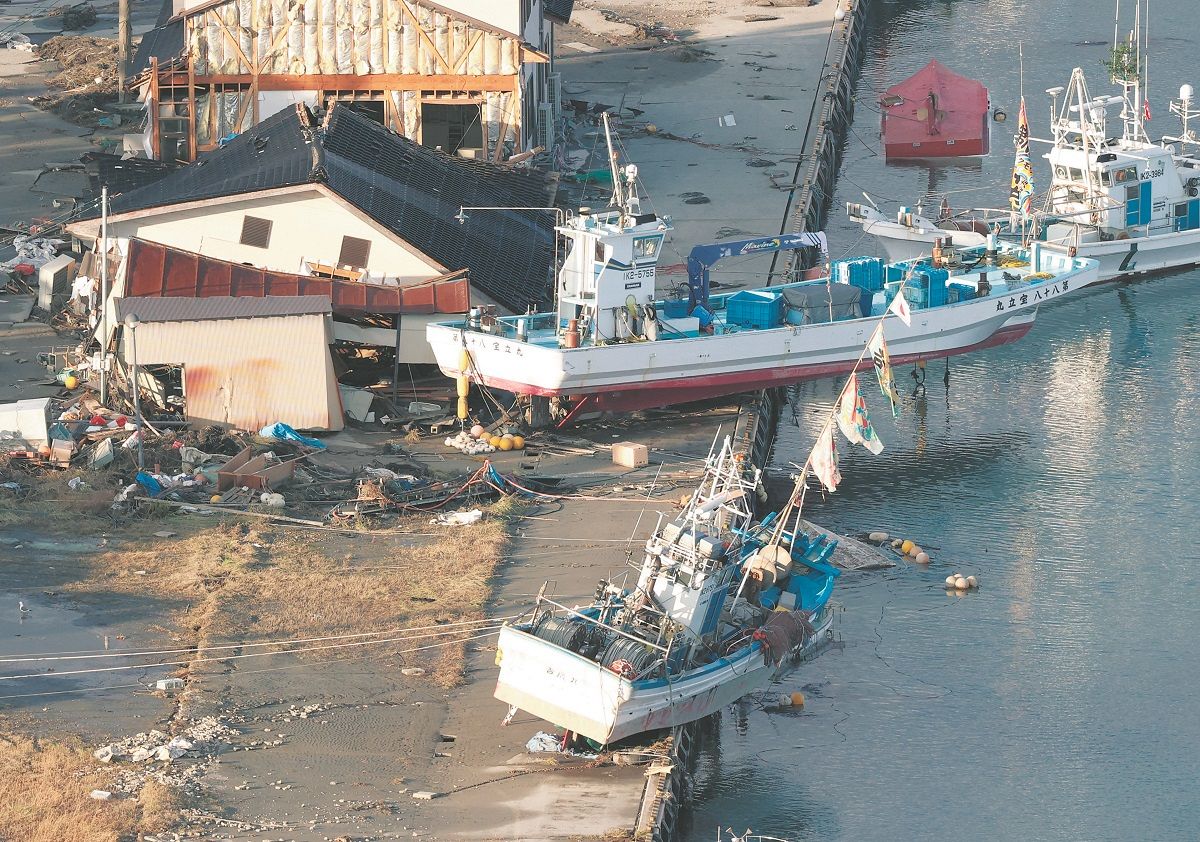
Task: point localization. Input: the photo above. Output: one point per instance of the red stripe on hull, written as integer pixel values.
(658, 393)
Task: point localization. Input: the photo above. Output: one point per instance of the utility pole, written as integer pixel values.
(104, 293)
(122, 48)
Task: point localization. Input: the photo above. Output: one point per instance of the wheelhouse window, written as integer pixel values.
(646, 248)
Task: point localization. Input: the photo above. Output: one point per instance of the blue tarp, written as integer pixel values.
(282, 432)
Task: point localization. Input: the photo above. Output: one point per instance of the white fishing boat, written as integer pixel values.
(721, 605)
(611, 344)
(1130, 203)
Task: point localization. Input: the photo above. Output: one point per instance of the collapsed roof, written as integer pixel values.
(414, 192)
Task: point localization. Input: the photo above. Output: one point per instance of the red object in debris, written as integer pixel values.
(98, 421)
(24, 269)
(935, 113)
(122, 420)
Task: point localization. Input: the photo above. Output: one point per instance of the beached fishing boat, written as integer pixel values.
(721, 605)
(1130, 203)
(611, 344)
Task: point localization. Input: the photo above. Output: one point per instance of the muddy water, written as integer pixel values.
(59, 623)
(1059, 701)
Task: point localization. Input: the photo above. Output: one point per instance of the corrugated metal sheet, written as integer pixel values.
(249, 374)
(160, 271)
(221, 307)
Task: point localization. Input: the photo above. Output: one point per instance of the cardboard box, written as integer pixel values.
(630, 454)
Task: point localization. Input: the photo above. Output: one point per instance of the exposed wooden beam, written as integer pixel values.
(191, 108)
(154, 107)
(372, 82)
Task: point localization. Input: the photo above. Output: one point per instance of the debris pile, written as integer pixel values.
(155, 751)
(479, 440)
(87, 80)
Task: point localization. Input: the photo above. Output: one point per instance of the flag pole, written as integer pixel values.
(800, 486)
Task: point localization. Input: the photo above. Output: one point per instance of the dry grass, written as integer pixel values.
(51, 505)
(44, 796)
(255, 581)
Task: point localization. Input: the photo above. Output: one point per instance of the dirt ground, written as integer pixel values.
(369, 606)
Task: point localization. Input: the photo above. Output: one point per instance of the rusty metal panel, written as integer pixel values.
(161, 271)
(249, 373)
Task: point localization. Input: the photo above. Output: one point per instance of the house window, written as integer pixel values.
(256, 232)
(354, 252)
(455, 129)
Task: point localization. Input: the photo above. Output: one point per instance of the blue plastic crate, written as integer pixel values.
(675, 309)
(916, 296)
(960, 292)
(755, 309)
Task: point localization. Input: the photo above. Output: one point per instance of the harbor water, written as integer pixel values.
(1062, 699)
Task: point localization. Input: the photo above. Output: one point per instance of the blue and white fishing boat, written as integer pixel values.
(721, 605)
(611, 345)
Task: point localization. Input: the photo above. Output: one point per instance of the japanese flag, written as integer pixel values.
(900, 307)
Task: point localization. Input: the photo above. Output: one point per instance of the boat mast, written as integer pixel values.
(618, 197)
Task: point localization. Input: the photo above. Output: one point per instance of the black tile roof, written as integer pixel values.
(121, 175)
(559, 9)
(413, 191)
(164, 42)
(216, 308)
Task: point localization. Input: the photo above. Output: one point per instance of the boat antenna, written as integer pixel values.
(1021, 66)
(1116, 25)
(1146, 86)
(618, 196)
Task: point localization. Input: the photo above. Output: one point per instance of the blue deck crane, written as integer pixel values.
(703, 257)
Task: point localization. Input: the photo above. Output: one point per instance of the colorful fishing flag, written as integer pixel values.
(877, 347)
(1146, 109)
(853, 419)
(899, 306)
(1020, 197)
(824, 459)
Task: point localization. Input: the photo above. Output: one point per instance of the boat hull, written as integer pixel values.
(627, 397)
(581, 696)
(641, 375)
(1116, 258)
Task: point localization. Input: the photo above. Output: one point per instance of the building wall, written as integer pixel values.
(245, 60)
(306, 226)
(248, 373)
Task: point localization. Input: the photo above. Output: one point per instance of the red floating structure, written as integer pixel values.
(935, 113)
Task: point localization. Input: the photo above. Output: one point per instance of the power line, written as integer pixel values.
(232, 657)
(86, 654)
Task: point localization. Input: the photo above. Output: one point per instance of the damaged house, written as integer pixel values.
(340, 197)
(332, 207)
(470, 77)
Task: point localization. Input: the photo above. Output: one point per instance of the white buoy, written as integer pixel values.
(951, 579)
(972, 581)
(961, 583)
(897, 543)
(922, 557)
(878, 537)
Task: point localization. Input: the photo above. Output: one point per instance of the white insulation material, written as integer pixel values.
(354, 37)
(345, 37)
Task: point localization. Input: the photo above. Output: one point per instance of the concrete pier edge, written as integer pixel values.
(668, 791)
